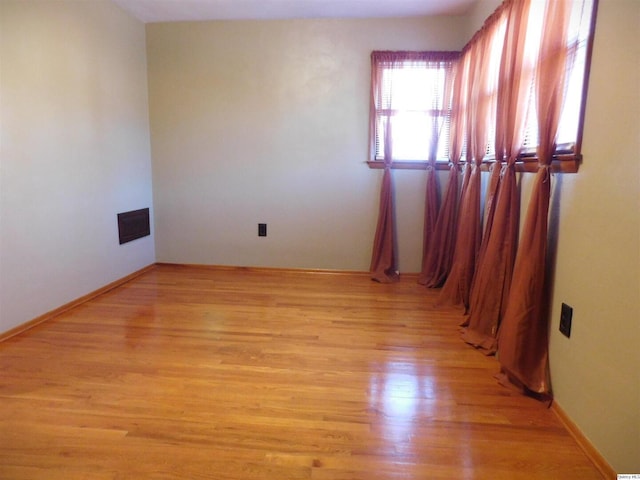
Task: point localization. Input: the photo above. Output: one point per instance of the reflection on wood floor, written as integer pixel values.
(242, 374)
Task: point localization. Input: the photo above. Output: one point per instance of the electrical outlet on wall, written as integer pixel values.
(566, 314)
(262, 229)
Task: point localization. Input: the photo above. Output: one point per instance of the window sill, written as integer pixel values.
(562, 163)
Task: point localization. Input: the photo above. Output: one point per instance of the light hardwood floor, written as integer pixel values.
(242, 374)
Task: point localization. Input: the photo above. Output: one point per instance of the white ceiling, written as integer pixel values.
(150, 11)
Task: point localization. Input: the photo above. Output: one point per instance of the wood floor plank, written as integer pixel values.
(241, 374)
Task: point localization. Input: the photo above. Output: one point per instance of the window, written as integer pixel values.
(570, 127)
(410, 105)
(412, 102)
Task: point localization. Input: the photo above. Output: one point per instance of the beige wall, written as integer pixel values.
(596, 373)
(74, 151)
(479, 13)
(267, 122)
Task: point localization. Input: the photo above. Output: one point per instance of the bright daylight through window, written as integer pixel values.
(412, 102)
(413, 96)
(409, 100)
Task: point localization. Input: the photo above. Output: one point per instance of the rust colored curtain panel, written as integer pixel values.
(383, 266)
(466, 177)
(480, 110)
(436, 261)
(493, 275)
(440, 255)
(431, 209)
(523, 335)
(495, 171)
(383, 259)
(383, 262)
(432, 195)
(489, 212)
(456, 288)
